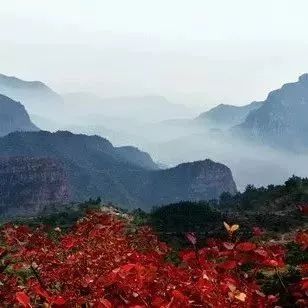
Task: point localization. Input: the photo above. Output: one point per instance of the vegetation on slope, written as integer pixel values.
(105, 261)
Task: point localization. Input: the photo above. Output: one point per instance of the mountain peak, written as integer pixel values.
(281, 121)
(16, 82)
(34, 95)
(303, 78)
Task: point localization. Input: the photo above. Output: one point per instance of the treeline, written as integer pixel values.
(272, 197)
(273, 208)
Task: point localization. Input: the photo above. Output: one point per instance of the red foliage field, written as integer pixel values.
(105, 262)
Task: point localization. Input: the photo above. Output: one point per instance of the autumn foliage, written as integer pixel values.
(104, 261)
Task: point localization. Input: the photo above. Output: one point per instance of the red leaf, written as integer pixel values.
(304, 284)
(188, 255)
(37, 289)
(270, 262)
(228, 265)
(158, 302)
(58, 300)
(104, 303)
(23, 299)
(228, 245)
(180, 296)
(127, 267)
(2, 251)
(261, 252)
(68, 243)
(246, 246)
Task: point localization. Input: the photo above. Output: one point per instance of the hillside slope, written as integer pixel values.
(13, 117)
(96, 168)
(282, 119)
(226, 116)
(34, 95)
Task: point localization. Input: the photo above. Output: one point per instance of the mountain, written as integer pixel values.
(281, 121)
(13, 117)
(225, 116)
(137, 157)
(124, 176)
(34, 95)
(28, 185)
(148, 108)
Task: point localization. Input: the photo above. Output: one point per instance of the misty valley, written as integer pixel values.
(153, 154)
(78, 161)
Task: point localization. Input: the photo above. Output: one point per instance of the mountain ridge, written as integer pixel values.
(281, 121)
(36, 96)
(96, 168)
(226, 116)
(14, 117)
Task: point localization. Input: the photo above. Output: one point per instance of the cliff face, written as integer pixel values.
(95, 168)
(195, 181)
(282, 119)
(13, 117)
(28, 185)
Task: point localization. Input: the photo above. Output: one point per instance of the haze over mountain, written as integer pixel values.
(91, 166)
(145, 108)
(34, 95)
(177, 140)
(281, 121)
(13, 117)
(258, 149)
(225, 116)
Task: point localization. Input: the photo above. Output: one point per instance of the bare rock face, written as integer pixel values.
(13, 117)
(282, 119)
(195, 181)
(27, 185)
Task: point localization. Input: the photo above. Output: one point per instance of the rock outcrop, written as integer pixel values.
(28, 185)
(282, 119)
(200, 180)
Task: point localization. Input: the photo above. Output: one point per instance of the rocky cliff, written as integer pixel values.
(28, 185)
(13, 117)
(200, 180)
(282, 120)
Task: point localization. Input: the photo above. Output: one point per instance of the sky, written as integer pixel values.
(197, 52)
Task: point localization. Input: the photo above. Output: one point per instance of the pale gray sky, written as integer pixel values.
(193, 51)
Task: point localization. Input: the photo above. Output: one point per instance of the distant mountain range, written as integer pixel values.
(225, 116)
(37, 96)
(145, 108)
(13, 117)
(34, 95)
(89, 166)
(281, 121)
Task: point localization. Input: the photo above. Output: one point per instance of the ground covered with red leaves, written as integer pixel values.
(104, 261)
